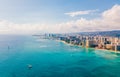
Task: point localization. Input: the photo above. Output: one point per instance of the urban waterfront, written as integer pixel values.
(50, 58)
(106, 42)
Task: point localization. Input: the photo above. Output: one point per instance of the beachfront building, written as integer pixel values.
(99, 42)
(91, 43)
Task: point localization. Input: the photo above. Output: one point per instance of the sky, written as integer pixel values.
(58, 16)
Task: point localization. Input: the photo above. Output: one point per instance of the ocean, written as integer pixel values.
(51, 58)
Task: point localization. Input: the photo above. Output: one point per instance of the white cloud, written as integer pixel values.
(7, 27)
(77, 13)
(109, 20)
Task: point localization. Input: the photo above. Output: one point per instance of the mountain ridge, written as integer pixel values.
(114, 33)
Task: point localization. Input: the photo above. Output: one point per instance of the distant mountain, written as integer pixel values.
(115, 33)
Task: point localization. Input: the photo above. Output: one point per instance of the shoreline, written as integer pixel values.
(89, 47)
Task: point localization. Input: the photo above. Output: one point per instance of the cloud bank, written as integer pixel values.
(109, 20)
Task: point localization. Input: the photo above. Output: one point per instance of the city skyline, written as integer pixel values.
(58, 16)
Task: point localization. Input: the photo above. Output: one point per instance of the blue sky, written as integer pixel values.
(51, 11)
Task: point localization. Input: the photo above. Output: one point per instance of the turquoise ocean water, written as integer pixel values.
(50, 58)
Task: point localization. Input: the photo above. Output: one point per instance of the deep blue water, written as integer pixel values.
(50, 58)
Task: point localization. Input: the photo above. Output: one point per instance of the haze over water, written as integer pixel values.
(50, 58)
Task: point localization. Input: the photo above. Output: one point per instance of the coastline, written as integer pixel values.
(89, 47)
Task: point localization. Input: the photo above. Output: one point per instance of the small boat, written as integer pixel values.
(29, 66)
(8, 47)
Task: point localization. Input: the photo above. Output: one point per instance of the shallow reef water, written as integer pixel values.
(50, 58)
